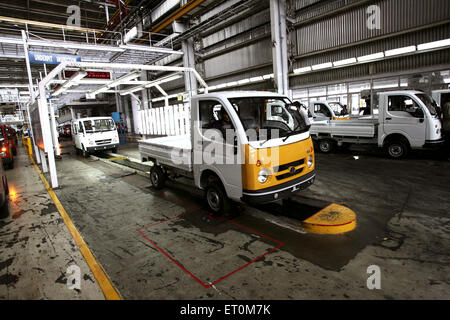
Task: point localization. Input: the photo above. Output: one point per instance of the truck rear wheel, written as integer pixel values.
(326, 145)
(216, 198)
(397, 149)
(157, 177)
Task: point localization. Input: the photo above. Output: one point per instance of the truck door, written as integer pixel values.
(79, 135)
(217, 146)
(405, 116)
(322, 112)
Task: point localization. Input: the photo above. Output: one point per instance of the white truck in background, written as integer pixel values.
(405, 120)
(94, 134)
(325, 110)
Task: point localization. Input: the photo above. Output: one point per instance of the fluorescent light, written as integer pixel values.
(400, 51)
(345, 62)
(268, 76)
(244, 81)
(370, 57)
(434, 45)
(232, 84)
(212, 88)
(302, 70)
(11, 41)
(222, 85)
(322, 66)
(256, 79)
(447, 80)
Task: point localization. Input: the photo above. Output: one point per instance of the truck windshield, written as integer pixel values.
(338, 109)
(99, 125)
(271, 114)
(429, 103)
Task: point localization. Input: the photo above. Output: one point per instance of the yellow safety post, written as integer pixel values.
(30, 150)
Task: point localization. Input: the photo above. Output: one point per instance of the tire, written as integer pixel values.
(114, 150)
(157, 177)
(216, 198)
(397, 149)
(326, 146)
(15, 151)
(85, 152)
(11, 164)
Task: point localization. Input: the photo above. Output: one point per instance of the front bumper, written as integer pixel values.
(103, 147)
(279, 192)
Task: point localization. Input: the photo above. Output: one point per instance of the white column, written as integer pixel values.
(44, 161)
(135, 106)
(279, 50)
(47, 136)
(54, 129)
(32, 96)
(189, 62)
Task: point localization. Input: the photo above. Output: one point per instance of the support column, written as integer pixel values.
(126, 108)
(135, 107)
(187, 47)
(32, 96)
(44, 161)
(279, 50)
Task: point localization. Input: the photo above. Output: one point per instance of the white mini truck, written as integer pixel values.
(406, 120)
(252, 147)
(94, 134)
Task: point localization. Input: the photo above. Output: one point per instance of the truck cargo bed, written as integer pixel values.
(172, 151)
(362, 128)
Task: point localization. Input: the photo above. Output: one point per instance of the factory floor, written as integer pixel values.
(164, 245)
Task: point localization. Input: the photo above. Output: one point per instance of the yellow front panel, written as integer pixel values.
(268, 158)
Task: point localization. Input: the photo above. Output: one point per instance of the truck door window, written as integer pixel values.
(214, 116)
(404, 106)
(322, 110)
(81, 129)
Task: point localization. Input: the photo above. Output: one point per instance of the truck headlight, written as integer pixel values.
(310, 161)
(263, 176)
(91, 143)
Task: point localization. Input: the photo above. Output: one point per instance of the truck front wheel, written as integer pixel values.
(216, 198)
(326, 146)
(397, 149)
(157, 177)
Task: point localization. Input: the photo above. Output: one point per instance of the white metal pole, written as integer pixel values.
(44, 161)
(47, 135)
(32, 95)
(54, 130)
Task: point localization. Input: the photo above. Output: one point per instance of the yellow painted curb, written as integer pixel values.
(334, 219)
(102, 279)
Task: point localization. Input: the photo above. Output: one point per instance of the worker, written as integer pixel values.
(446, 121)
(303, 111)
(223, 123)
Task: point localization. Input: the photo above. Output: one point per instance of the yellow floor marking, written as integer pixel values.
(117, 158)
(334, 219)
(102, 279)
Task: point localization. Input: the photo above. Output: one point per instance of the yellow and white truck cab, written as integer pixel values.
(252, 147)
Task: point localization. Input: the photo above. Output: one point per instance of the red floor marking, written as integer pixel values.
(195, 209)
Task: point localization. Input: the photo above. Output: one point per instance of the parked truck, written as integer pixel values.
(324, 110)
(260, 144)
(403, 120)
(94, 134)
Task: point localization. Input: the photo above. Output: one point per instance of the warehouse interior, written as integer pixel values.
(102, 103)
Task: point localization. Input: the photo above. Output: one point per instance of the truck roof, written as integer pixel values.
(401, 92)
(92, 118)
(241, 94)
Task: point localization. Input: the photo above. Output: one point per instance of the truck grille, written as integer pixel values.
(286, 166)
(289, 174)
(101, 142)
